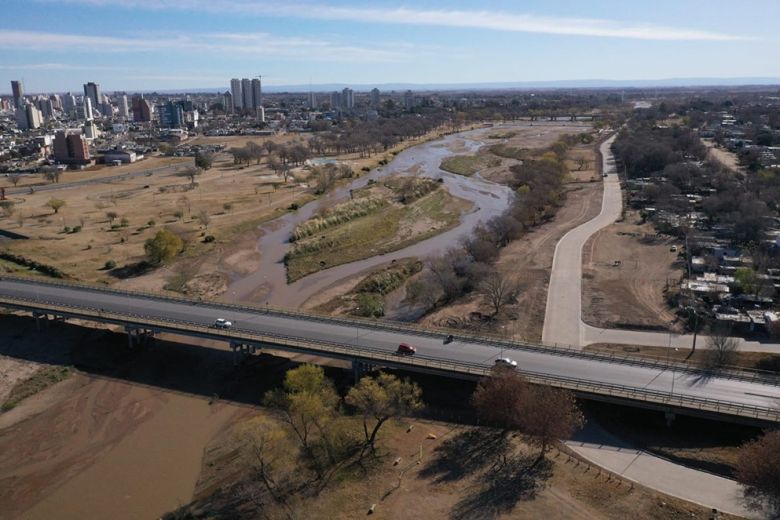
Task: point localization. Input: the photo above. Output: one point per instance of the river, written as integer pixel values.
(268, 284)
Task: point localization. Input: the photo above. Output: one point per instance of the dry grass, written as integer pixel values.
(393, 227)
(468, 165)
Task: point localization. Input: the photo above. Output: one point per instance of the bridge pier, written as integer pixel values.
(242, 350)
(138, 336)
(360, 368)
(669, 416)
(38, 315)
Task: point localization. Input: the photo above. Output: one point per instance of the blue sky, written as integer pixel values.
(57, 45)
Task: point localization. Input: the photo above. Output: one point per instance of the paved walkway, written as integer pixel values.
(563, 317)
(607, 451)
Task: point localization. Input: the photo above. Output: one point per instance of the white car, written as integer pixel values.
(222, 323)
(506, 362)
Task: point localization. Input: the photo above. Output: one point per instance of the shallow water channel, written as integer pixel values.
(268, 284)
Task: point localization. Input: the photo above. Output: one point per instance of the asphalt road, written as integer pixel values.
(96, 180)
(734, 391)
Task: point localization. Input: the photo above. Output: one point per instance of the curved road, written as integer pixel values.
(563, 317)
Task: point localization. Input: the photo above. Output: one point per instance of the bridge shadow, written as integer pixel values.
(185, 367)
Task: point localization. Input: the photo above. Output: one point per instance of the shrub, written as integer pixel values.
(209, 238)
(294, 206)
(110, 264)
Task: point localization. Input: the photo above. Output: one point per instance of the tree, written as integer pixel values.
(163, 247)
(498, 289)
(56, 204)
(8, 207)
(550, 414)
(758, 470)
(308, 402)
(111, 215)
(204, 161)
(52, 174)
(179, 214)
(14, 178)
(204, 218)
(191, 172)
(546, 414)
(721, 348)
(381, 398)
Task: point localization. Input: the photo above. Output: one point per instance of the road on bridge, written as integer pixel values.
(640, 377)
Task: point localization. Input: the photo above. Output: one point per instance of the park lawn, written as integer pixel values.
(468, 165)
(392, 228)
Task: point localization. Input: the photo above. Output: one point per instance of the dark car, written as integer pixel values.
(406, 349)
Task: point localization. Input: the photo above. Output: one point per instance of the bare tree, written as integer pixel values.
(545, 414)
(499, 290)
(721, 348)
(204, 218)
(14, 178)
(191, 172)
(758, 470)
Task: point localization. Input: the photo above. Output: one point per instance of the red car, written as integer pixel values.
(406, 349)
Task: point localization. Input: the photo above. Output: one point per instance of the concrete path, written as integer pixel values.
(563, 323)
(607, 451)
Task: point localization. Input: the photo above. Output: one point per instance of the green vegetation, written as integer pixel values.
(339, 214)
(370, 305)
(163, 247)
(40, 380)
(13, 262)
(389, 279)
(380, 232)
(510, 152)
(468, 165)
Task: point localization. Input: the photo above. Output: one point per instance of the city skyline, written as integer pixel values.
(372, 44)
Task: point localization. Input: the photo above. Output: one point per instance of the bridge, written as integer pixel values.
(749, 397)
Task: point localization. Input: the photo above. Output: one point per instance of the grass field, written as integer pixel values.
(468, 165)
(391, 228)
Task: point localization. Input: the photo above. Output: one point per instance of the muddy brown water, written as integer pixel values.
(268, 285)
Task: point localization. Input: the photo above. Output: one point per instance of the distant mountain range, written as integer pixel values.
(509, 85)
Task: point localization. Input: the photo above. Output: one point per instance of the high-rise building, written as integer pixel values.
(90, 130)
(28, 117)
(124, 109)
(69, 103)
(17, 88)
(408, 100)
(227, 101)
(238, 97)
(335, 100)
(246, 94)
(171, 115)
(348, 99)
(56, 101)
(142, 110)
(312, 100)
(92, 91)
(70, 147)
(86, 108)
(374, 98)
(257, 93)
(46, 106)
(107, 109)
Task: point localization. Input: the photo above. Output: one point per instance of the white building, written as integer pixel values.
(246, 94)
(235, 91)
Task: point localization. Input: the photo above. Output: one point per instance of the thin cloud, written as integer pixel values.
(474, 19)
(259, 44)
(55, 66)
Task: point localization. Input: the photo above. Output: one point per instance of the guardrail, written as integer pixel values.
(377, 356)
(485, 339)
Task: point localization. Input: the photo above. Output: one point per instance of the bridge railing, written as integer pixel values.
(406, 328)
(377, 356)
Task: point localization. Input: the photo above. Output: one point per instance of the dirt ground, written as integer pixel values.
(626, 268)
(443, 470)
(723, 156)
